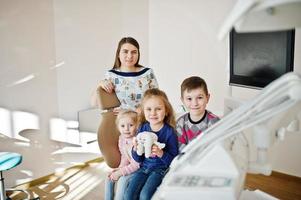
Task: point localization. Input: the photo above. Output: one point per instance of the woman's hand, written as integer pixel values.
(107, 85)
(156, 151)
(116, 110)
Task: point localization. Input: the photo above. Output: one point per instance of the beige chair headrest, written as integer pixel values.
(107, 100)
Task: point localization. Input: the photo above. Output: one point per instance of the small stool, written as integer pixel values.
(8, 160)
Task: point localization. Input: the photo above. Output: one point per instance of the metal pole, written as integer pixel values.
(2, 189)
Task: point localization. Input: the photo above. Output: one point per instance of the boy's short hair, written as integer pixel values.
(192, 83)
(127, 113)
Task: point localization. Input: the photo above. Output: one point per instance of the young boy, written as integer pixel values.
(195, 96)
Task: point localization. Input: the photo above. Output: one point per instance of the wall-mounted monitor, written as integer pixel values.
(258, 58)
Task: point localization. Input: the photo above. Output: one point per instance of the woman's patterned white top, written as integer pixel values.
(130, 86)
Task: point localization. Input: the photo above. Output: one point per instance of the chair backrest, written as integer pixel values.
(107, 132)
(107, 100)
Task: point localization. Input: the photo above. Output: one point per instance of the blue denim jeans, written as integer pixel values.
(121, 185)
(144, 183)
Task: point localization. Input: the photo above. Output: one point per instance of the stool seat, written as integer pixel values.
(9, 160)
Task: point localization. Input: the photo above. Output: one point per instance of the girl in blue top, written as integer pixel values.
(158, 117)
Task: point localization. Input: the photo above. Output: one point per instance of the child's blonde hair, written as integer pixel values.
(154, 92)
(127, 113)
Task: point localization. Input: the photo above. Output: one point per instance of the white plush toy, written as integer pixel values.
(145, 142)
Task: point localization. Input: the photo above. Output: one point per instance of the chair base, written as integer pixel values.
(19, 190)
(3, 191)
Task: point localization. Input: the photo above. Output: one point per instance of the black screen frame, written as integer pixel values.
(256, 82)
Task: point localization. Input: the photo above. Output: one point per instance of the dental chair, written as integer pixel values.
(9, 160)
(108, 134)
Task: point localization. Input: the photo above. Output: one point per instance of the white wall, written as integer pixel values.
(183, 42)
(27, 53)
(28, 82)
(86, 38)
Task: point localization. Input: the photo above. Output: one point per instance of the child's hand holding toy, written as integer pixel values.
(147, 143)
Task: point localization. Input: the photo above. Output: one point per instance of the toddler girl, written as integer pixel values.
(126, 122)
